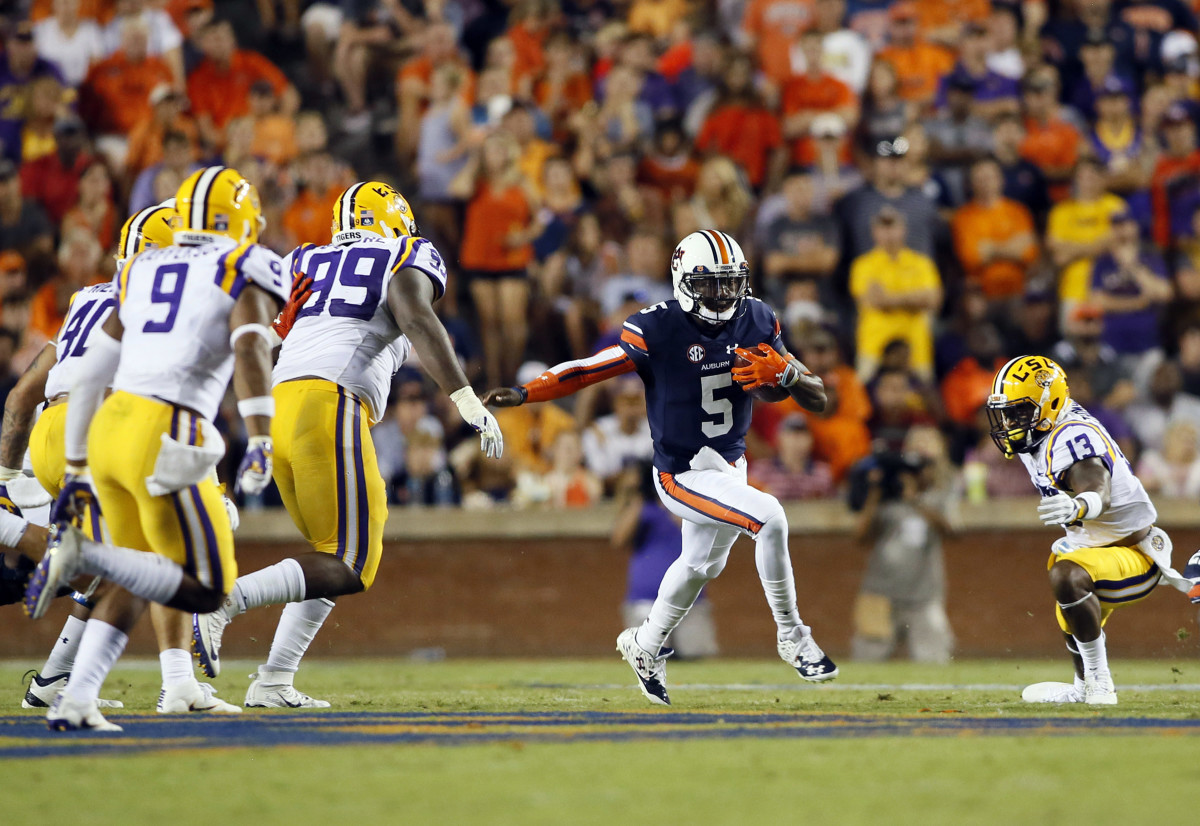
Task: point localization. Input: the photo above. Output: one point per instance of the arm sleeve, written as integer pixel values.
(570, 376)
(1074, 442)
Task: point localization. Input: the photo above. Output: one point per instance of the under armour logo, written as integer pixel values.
(729, 348)
(812, 669)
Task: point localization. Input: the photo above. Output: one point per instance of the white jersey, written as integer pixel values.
(175, 303)
(87, 311)
(345, 332)
(1077, 436)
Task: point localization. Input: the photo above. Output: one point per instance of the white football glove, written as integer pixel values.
(27, 493)
(254, 474)
(491, 440)
(1060, 509)
(235, 518)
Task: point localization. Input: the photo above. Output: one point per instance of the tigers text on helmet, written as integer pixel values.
(217, 201)
(149, 228)
(1028, 395)
(710, 276)
(372, 207)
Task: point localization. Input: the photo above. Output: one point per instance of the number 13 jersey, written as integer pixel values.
(345, 332)
(1075, 437)
(174, 304)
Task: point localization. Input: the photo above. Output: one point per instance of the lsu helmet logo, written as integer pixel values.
(1043, 378)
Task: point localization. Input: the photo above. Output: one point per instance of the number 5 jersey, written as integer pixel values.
(1077, 436)
(345, 332)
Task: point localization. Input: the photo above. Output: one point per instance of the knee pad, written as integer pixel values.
(775, 526)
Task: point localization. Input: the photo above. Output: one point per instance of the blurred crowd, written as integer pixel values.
(925, 189)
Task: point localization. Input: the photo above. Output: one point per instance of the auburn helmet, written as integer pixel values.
(1028, 395)
(710, 275)
(372, 207)
(217, 200)
(149, 228)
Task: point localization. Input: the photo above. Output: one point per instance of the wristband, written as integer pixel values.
(468, 404)
(252, 329)
(524, 391)
(75, 468)
(1091, 505)
(7, 474)
(256, 406)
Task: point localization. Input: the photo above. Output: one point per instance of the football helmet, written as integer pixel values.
(372, 207)
(1028, 395)
(710, 276)
(149, 228)
(217, 201)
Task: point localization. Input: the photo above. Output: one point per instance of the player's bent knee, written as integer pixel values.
(1069, 579)
(775, 527)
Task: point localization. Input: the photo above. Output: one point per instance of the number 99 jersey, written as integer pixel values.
(1077, 436)
(345, 332)
(174, 304)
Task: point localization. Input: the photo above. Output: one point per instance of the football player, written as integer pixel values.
(699, 403)
(371, 303)
(47, 382)
(1112, 554)
(188, 319)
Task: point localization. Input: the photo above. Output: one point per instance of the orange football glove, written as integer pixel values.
(1194, 594)
(767, 368)
(301, 290)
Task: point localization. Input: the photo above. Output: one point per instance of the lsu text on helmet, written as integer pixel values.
(710, 275)
(149, 228)
(217, 201)
(1028, 395)
(372, 207)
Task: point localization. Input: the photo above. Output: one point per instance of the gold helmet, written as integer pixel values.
(1028, 395)
(375, 207)
(217, 200)
(149, 228)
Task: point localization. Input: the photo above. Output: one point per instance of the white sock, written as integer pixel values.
(99, 649)
(269, 677)
(1095, 658)
(281, 582)
(176, 664)
(680, 587)
(781, 596)
(774, 564)
(298, 625)
(62, 655)
(142, 574)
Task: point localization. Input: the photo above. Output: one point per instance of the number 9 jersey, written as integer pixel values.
(1077, 436)
(174, 304)
(345, 332)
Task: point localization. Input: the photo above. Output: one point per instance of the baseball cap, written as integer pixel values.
(904, 10)
(11, 260)
(1176, 114)
(1087, 312)
(1112, 86)
(894, 148)
(828, 125)
(960, 81)
(161, 92)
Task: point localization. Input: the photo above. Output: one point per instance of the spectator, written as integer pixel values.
(1117, 143)
(178, 161)
(846, 53)
(501, 222)
(163, 38)
(306, 218)
(568, 483)
(1097, 59)
(903, 593)
(793, 474)
(425, 480)
(19, 66)
(564, 87)
(1051, 141)
(721, 200)
(884, 113)
(622, 438)
(1175, 470)
(1178, 166)
(146, 140)
(967, 386)
(13, 281)
(414, 82)
(530, 430)
(45, 101)
(1130, 285)
(24, 226)
(445, 138)
(1083, 353)
(53, 180)
(947, 22)
(1077, 230)
(771, 27)
(832, 176)
(886, 186)
(1004, 51)
(800, 245)
(654, 540)
(897, 292)
(992, 94)
(697, 84)
(219, 87)
(993, 235)
(1033, 324)
(1165, 404)
(656, 18)
(1023, 180)
(69, 41)
(1189, 358)
(919, 64)
(94, 212)
(669, 168)
(840, 434)
(740, 126)
(116, 96)
(957, 137)
(896, 407)
(79, 257)
(810, 94)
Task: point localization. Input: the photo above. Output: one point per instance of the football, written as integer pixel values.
(762, 394)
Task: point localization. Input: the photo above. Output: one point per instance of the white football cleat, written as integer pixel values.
(42, 692)
(62, 562)
(1098, 689)
(1052, 693)
(273, 689)
(207, 630)
(804, 655)
(69, 715)
(651, 670)
(193, 696)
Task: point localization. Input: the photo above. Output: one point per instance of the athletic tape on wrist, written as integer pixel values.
(253, 329)
(1093, 505)
(256, 406)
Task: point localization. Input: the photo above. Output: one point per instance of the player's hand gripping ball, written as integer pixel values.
(748, 371)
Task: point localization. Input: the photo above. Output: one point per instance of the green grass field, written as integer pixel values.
(794, 765)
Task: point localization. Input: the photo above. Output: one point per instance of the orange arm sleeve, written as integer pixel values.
(571, 376)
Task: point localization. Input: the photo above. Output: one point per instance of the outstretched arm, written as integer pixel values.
(564, 379)
(22, 401)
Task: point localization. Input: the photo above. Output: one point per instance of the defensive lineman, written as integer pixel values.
(371, 302)
(189, 318)
(684, 351)
(1112, 554)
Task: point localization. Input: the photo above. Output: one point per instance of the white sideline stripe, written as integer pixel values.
(837, 686)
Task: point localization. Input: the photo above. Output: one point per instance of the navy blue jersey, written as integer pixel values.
(691, 398)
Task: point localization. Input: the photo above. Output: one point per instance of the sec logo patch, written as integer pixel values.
(696, 354)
